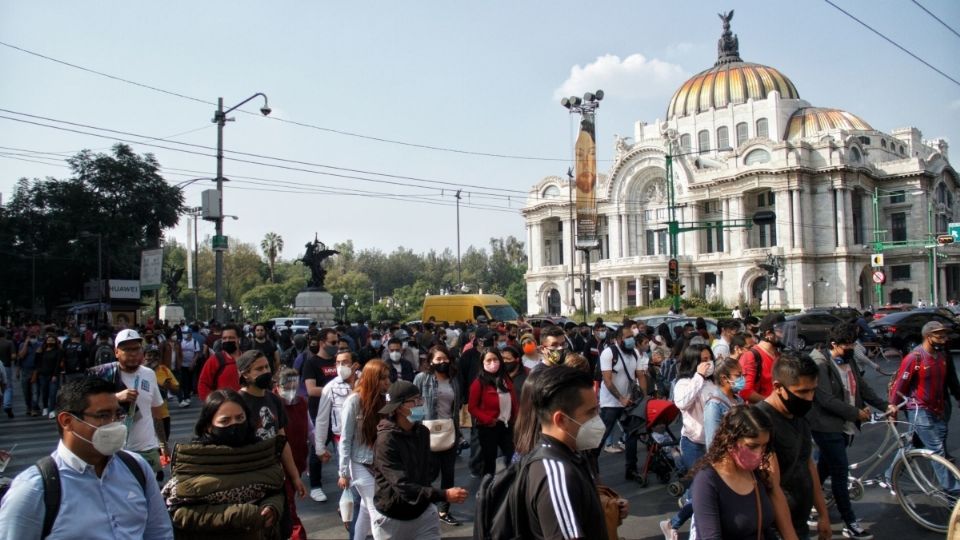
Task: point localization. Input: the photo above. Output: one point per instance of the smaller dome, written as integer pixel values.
(811, 121)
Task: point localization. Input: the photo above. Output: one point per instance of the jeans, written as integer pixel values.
(494, 438)
(30, 392)
(690, 453)
(444, 464)
(609, 416)
(48, 391)
(8, 393)
(476, 456)
(932, 431)
(833, 462)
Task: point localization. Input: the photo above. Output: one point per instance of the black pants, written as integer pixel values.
(833, 463)
(493, 438)
(186, 382)
(443, 466)
(476, 456)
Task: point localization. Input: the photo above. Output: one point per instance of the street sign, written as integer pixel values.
(219, 243)
(953, 229)
(673, 270)
(879, 277)
(876, 260)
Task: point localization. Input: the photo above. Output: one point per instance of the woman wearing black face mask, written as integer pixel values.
(222, 463)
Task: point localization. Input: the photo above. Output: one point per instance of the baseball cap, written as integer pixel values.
(931, 327)
(151, 349)
(399, 392)
(127, 335)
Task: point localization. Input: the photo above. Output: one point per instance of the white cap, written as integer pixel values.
(126, 335)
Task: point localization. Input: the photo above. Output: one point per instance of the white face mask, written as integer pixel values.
(107, 439)
(710, 369)
(289, 395)
(590, 434)
(345, 372)
(395, 356)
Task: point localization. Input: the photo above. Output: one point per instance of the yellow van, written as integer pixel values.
(467, 307)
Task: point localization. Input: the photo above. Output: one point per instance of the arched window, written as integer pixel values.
(552, 192)
(756, 157)
(723, 138)
(742, 134)
(703, 141)
(854, 154)
(883, 143)
(685, 143)
(763, 129)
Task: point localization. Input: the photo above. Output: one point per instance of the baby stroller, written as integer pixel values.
(649, 420)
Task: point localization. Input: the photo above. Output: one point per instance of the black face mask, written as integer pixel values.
(234, 435)
(229, 347)
(264, 381)
(443, 367)
(846, 357)
(315, 349)
(511, 367)
(330, 350)
(796, 405)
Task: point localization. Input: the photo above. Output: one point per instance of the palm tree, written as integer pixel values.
(272, 245)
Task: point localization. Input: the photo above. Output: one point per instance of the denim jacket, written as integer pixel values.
(352, 447)
(427, 383)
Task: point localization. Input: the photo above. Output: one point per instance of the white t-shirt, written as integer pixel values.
(141, 435)
(629, 361)
(190, 348)
(721, 349)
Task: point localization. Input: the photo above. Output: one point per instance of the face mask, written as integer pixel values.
(529, 348)
(590, 434)
(375, 343)
(442, 367)
(330, 350)
(739, 384)
(601, 336)
(745, 458)
(417, 414)
(492, 369)
(556, 356)
(629, 343)
(636, 331)
(107, 440)
(710, 369)
(511, 366)
(264, 381)
(501, 345)
(229, 347)
(344, 372)
(289, 395)
(395, 356)
(846, 357)
(233, 435)
(795, 405)
(314, 349)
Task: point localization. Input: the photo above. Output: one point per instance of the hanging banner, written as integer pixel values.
(151, 269)
(190, 255)
(586, 153)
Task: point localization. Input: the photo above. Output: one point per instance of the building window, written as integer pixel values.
(899, 196)
(854, 154)
(902, 151)
(864, 140)
(883, 143)
(741, 133)
(898, 227)
(714, 237)
(685, 143)
(858, 233)
(662, 241)
(703, 140)
(651, 248)
(756, 157)
(723, 138)
(762, 128)
(552, 192)
(901, 272)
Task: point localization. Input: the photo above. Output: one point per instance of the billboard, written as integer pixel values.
(586, 178)
(151, 269)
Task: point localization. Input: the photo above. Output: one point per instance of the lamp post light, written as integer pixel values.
(220, 118)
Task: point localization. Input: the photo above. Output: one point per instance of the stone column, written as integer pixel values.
(841, 216)
(639, 296)
(782, 225)
(846, 195)
(796, 216)
(738, 237)
(663, 286)
(866, 205)
(616, 248)
(692, 247)
(726, 230)
(536, 245)
(616, 294)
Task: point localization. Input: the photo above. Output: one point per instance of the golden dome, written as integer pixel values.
(809, 121)
(729, 82)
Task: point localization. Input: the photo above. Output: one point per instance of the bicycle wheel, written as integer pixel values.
(919, 492)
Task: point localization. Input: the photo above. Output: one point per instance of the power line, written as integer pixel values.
(894, 43)
(939, 20)
(292, 122)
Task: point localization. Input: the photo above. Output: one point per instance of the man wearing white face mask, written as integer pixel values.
(623, 368)
(93, 485)
(334, 395)
(559, 489)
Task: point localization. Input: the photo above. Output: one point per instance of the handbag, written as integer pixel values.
(610, 503)
(442, 434)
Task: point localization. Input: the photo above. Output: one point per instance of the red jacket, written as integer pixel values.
(229, 376)
(484, 403)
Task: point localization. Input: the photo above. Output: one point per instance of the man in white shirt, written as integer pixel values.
(721, 348)
(624, 368)
(334, 395)
(191, 349)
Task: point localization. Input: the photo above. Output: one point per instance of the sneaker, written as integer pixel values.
(185, 403)
(612, 449)
(669, 533)
(9, 411)
(52, 415)
(855, 530)
(449, 519)
(620, 446)
(45, 412)
(635, 477)
(318, 495)
(814, 520)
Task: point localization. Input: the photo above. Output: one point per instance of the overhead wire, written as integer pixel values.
(938, 19)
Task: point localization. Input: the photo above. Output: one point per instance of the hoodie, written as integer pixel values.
(402, 471)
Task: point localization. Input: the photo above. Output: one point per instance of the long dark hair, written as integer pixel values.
(495, 380)
(689, 360)
(740, 422)
(212, 405)
(452, 374)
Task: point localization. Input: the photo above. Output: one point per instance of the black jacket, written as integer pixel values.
(401, 469)
(830, 410)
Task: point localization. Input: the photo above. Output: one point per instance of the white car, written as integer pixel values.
(300, 324)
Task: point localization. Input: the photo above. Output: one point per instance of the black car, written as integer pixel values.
(902, 330)
(847, 314)
(804, 330)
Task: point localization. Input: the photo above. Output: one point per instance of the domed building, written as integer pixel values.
(741, 141)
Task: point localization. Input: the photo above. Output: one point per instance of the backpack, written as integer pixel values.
(73, 358)
(500, 512)
(221, 365)
(758, 365)
(50, 478)
(104, 355)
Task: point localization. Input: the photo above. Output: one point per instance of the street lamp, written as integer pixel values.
(220, 118)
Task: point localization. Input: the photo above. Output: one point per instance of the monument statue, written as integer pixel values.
(728, 46)
(173, 284)
(317, 252)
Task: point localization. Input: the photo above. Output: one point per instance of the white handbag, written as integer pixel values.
(442, 434)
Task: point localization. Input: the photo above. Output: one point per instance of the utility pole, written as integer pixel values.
(459, 275)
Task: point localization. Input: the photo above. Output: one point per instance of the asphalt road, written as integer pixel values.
(878, 510)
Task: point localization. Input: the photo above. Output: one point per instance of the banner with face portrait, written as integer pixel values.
(586, 176)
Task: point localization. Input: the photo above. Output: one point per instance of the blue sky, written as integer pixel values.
(476, 76)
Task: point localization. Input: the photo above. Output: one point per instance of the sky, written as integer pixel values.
(383, 110)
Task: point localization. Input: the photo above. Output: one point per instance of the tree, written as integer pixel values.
(272, 245)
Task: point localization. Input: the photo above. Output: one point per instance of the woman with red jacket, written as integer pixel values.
(493, 404)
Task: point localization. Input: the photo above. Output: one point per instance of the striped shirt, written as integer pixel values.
(922, 379)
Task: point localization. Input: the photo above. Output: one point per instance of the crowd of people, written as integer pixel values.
(393, 406)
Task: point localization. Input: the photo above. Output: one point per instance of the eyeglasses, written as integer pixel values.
(103, 418)
(132, 350)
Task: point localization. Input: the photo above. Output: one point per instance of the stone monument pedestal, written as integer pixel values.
(172, 313)
(315, 305)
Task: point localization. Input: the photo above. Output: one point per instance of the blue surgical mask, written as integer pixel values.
(629, 342)
(501, 345)
(738, 384)
(417, 414)
(375, 343)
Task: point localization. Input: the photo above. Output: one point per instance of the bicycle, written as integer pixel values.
(872, 354)
(913, 479)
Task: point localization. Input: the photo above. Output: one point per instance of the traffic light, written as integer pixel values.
(681, 289)
(944, 239)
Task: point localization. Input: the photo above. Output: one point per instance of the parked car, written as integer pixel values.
(809, 329)
(902, 330)
(846, 314)
(655, 320)
(537, 321)
(892, 308)
(300, 324)
(680, 322)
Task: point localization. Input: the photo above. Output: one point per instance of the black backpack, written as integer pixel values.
(104, 355)
(50, 479)
(500, 513)
(758, 364)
